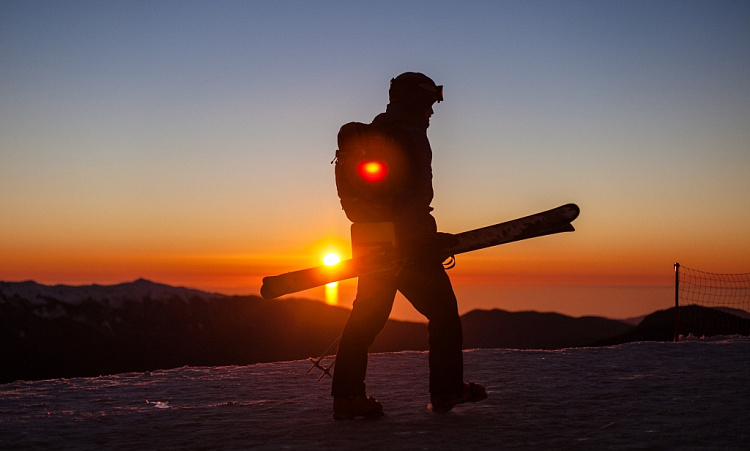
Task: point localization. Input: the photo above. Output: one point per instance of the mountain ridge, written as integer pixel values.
(68, 331)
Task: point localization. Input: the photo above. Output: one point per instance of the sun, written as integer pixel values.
(331, 259)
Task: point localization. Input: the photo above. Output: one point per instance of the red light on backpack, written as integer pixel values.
(372, 171)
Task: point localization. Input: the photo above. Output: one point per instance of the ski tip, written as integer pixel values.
(571, 211)
(267, 293)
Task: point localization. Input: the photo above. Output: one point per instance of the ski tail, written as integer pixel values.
(292, 282)
(304, 279)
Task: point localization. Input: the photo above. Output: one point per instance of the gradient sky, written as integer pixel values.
(189, 142)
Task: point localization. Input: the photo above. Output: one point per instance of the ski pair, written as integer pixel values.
(547, 222)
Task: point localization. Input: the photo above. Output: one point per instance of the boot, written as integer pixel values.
(356, 406)
(471, 393)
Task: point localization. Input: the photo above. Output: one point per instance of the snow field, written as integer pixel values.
(689, 395)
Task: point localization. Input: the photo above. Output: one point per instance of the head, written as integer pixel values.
(415, 92)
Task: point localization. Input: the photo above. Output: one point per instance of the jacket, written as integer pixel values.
(412, 220)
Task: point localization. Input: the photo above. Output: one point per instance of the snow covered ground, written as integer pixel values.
(689, 395)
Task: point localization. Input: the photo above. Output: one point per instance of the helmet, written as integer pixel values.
(415, 89)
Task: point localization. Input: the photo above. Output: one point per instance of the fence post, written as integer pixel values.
(676, 302)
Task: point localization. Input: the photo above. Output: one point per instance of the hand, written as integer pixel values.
(445, 240)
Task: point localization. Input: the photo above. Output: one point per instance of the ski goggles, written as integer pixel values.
(436, 90)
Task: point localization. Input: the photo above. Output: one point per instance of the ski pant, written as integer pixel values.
(427, 286)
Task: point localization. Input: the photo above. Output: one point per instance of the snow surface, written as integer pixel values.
(650, 395)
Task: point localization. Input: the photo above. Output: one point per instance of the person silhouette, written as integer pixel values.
(423, 281)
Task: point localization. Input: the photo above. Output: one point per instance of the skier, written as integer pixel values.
(424, 282)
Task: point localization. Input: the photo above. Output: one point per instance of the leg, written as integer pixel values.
(369, 314)
(427, 286)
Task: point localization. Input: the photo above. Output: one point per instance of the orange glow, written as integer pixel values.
(598, 269)
(331, 259)
(332, 293)
(331, 289)
(372, 171)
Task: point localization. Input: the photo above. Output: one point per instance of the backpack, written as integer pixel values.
(369, 171)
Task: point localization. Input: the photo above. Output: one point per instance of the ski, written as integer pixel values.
(548, 222)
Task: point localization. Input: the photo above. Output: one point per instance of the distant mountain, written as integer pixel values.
(112, 295)
(534, 330)
(693, 320)
(64, 331)
(734, 311)
(67, 331)
(634, 321)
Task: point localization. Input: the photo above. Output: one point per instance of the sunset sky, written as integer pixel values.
(189, 142)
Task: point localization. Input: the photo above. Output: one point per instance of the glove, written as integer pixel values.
(445, 240)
